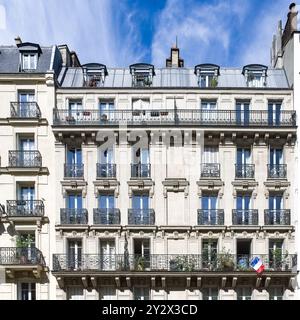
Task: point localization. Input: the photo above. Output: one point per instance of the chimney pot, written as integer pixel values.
(18, 40)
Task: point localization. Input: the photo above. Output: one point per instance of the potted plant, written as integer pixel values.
(140, 265)
(214, 82)
(23, 244)
(226, 261)
(276, 259)
(182, 263)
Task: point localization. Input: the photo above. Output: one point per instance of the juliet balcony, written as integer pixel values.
(245, 217)
(106, 170)
(141, 217)
(24, 159)
(278, 217)
(244, 171)
(73, 216)
(211, 217)
(141, 170)
(181, 263)
(210, 170)
(277, 171)
(257, 118)
(73, 171)
(25, 110)
(106, 216)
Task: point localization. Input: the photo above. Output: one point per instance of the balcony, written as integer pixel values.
(24, 159)
(257, 118)
(245, 217)
(278, 217)
(25, 208)
(25, 110)
(211, 217)
(140, 170)
(141, 217)
(106, 170)
(21, 256)
(73, 216)
(210, 170)
(180, 263)
(244, 171)
(74, 171)
(277, 171)
(107, 216)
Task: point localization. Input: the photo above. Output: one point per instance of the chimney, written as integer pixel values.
(291, 24)
(174, 61)
(18, 40)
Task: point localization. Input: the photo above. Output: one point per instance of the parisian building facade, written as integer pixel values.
(145, 183)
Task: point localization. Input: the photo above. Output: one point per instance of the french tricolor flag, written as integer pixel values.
(257, 265)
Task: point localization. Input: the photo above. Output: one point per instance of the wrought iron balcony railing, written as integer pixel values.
(277, 171)
(21, 256)
(25, 208)
(107, 216)
(211, 217)
(106, 170)
(244, 171)
(245, 217)
(210, 170)
(141, 216)
(24, 159)
(73, 216)
(73, 170)
(257, 118)
(25, 110)
(141, 170)
(171, 262)
(278, 217)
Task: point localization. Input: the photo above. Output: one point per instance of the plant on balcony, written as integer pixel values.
(23, 244)
(140, 264)
(183, 263)
(278, 259)
(225, 260)
(214, 82)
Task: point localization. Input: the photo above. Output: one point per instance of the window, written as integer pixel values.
(74, 254)
(75, 111)
(209, 111)
(256, 75)
(26, 105)
(94, 74)
(209, 206)
(141, 293)
(106, 201)
(243, 204)
(275, 293)
(276, 256)
(29, 61)
(108, 254)
(244, 168)
(27, 291)
(244, 293)
(207, 75)
(209, 254)
(140, 210)
(274, 113)
(142, 74)
(142, 254)
(242, 113)
(107, 108)
(107, 293)
(210, 293)
(75, 293)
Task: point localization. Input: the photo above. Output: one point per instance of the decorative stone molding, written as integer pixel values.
(211, 185)
(274, 185)
(141, 185)
(176, 185)
(107, 185)
(70, 185)
(242, 186)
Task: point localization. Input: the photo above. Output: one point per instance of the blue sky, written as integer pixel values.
(122, 32)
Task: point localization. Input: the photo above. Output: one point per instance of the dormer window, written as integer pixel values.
(207, 75)
(94, 74)
(29, 55)
(29, 61)
(142, 74)
(256, 75)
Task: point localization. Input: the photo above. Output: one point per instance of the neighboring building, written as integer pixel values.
(176, 214)
(285, 54)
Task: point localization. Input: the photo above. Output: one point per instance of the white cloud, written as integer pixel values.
(204, 30)
(257, 50)
(99, 31)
